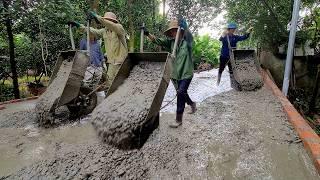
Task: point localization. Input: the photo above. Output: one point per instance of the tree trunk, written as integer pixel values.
(13, 62)
(164, 9)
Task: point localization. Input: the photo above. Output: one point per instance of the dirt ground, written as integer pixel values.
(233, 135)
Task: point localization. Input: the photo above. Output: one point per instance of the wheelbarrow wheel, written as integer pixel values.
(83, 104)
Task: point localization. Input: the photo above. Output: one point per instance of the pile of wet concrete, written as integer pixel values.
(50, 98)
(122, 118)
(247, 75)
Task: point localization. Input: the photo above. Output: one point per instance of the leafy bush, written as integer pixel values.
(206, 49)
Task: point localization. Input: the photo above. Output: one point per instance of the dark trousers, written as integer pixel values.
(182, 94)
(223, 62)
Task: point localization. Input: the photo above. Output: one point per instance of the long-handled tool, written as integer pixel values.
(141, 37)
(174, 50)
(71, 37)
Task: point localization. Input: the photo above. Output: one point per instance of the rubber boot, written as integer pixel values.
(193, 108)
(219, 79)
(177, 122)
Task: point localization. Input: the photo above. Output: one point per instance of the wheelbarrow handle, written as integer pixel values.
(142, 38)
(174, 51)
(71, 38)
(88, 38)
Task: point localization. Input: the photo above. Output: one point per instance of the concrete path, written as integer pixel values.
(234, 135)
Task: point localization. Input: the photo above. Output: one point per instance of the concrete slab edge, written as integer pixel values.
(18, 100)
(310, 139)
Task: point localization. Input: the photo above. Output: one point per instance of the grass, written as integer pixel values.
(23, 88)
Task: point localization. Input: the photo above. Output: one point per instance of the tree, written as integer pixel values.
(13, 62)
(206, 49)
(197, 12)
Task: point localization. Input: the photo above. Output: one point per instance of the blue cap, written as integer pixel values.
(232, 26)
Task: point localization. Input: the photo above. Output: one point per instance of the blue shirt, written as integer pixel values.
(234, 39)
(96, 56)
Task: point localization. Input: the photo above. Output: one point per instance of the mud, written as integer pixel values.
(247, 75)
(235, 135)
(121, 117)
(49, 100)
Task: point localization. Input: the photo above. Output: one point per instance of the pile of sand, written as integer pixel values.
(120, 118)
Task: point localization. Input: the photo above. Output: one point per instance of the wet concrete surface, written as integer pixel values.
(233, 135)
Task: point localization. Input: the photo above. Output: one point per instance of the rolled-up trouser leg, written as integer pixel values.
(112, 72)
(88, 76)
(182, 95)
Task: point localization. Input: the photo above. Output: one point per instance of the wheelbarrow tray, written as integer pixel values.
(64, 84)
(246, 69)
(135, 58)
(137, 132)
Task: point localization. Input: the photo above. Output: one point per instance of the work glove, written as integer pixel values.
(145, 31)
(73, 24)
(92, 15)
(250, 30)
(183, 23)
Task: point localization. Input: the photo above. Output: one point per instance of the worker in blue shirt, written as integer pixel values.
(233, 39)
(94, 71)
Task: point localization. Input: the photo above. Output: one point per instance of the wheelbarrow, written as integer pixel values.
(246, 69)
(110, 128)
(66, 87)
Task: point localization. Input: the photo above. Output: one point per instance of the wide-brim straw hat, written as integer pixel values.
(110, 16)
(173, 24)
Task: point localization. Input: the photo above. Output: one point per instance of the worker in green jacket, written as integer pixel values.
(182, 65)
(114, 37)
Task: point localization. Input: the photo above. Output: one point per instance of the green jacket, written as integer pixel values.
(182, 66)
(114, 37)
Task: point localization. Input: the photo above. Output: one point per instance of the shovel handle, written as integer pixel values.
(71, 38)
(141, 38)
(88, 38)
(174, 53)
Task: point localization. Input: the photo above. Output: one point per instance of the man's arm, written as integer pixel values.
(244, 37)
(116, 27)
(165, 43)
(96, 32)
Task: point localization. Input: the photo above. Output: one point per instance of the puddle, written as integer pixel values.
(203, 85)
(23, 147)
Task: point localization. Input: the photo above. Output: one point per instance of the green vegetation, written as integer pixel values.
(206, 49)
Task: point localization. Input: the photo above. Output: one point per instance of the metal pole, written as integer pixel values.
(292, 37)
(141, 39)
(71, 38)
(176, 43)
(88, 38)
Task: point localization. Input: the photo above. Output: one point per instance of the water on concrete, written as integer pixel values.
(233, 135)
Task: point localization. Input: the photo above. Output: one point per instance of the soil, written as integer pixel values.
(234, 135)
(121, 116)
(50, 98)
(247, 75)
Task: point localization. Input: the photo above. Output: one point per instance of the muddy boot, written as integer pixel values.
(177, 122)
(219, 79)
(193, 108)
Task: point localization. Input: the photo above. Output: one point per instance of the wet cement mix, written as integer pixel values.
(235, 135)
(51, 96)
(247, 75)
(121, 116)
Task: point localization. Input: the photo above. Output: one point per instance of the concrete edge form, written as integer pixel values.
(17, 100)
(310, 139)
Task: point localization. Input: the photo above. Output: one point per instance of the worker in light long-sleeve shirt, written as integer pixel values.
(94, 71)
(225, 50)
(114, 38)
